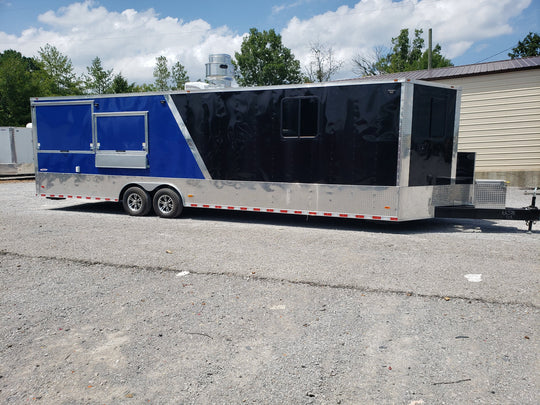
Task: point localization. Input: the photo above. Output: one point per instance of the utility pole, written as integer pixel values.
(430, 49)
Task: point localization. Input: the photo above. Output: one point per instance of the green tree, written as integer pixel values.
(98, 80)
(179, 76)
(263, 61)
(20, 79)
(405, 55)
(437, 59)
(143, 88)
(530, 46)
(60, 77)
(121, 85)
(162, 74)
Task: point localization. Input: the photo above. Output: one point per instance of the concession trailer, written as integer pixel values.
(368, 150)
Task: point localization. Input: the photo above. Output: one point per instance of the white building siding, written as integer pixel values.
(500, 121)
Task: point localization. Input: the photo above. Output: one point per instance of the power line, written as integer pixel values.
(498, 53)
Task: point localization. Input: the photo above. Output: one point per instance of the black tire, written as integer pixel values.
(136, 201)
(167, 203)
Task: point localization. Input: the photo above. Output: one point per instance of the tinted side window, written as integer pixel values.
(300, 117)
(290, 108)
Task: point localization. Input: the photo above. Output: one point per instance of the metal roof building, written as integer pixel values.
(500, 115)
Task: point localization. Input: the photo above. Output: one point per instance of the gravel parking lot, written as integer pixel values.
(233, 307)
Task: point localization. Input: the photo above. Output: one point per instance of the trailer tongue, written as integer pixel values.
(530, 214)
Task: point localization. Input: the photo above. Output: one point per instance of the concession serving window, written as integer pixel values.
(121, 139)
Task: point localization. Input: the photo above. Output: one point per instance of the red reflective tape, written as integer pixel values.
(343, 215)
(193, 205)
(88, 198)
(206, 206)
(376, 217)
(218, 206)
(79, 196)
(312, 213)
(270, 210)
(43, 195)
(256, 209)
(327, 214)
(360, 216)
(231, 208)
(297, 212)
(107, 199)
(116, 199)
(393, 219)
(283, 211)
(243, 208)
(97, 198)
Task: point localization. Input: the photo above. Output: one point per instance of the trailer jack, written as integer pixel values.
(532, 206)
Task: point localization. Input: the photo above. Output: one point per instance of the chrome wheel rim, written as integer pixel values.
(134, 202)
(165, 204)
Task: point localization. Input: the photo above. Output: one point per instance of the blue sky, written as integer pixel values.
(129, 34)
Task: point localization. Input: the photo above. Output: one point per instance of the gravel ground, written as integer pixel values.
(224, 307)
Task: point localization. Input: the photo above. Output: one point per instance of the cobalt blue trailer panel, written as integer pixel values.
(85, 136)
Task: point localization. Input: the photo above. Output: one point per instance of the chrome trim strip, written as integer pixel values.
(34, 142)
(82, 152)
(56, 103)
(405, 134)
(456, 134)
(120, 113)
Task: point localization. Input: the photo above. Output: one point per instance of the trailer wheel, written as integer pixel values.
(167, 203)
(136, 201)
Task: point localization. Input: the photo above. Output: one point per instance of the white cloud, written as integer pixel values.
(457, 25)
(128, 41)
(278, 9)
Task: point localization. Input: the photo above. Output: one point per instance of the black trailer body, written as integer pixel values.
(344, 134)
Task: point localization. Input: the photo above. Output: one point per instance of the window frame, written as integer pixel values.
(299, 120)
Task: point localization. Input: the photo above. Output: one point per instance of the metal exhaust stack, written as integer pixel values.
(220, 70)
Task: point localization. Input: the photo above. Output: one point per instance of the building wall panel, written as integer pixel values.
(500, 121)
